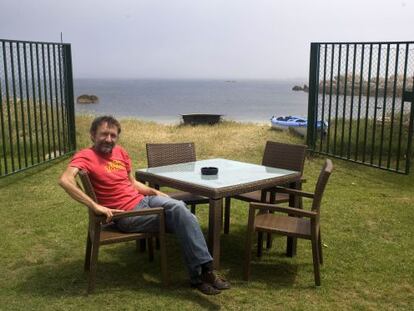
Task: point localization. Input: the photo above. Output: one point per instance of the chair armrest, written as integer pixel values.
(141, 212)
(274, 188)
(295, 192)
(283, 209)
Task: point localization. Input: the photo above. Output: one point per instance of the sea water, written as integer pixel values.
(165, 100)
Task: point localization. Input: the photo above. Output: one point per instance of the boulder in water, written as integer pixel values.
(304, 88)
(297, 88)
(87, 99)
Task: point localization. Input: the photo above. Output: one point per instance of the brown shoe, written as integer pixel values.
(206, 288)
(211, 278)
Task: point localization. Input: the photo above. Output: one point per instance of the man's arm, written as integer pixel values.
(145, 190)
(68, 182)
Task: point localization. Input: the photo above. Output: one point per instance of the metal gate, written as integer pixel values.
(37, 122)
(361, 102)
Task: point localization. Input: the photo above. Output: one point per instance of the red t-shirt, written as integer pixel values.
(109, 177)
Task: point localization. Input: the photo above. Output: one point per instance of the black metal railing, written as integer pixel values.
(360, 102)
(36, 104)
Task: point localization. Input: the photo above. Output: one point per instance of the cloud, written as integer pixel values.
(201, 39)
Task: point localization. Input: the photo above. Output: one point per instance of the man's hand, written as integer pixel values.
(160, 193)
(144, 189)
(108, 212)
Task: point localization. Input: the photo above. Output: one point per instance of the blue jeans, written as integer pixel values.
(178, 220)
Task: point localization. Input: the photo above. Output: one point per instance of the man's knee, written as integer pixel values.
(173, 206)
(165, 202)
(179, 206)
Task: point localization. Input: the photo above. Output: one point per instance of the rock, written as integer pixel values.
(297, 88)
(87, 99)
(304, 88)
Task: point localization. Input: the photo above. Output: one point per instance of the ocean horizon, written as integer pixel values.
(163, 100)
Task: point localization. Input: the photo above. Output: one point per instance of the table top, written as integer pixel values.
(233, 177)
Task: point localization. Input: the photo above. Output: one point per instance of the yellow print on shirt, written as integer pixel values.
(114, 165)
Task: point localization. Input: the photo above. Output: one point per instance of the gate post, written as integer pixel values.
(409, 97)
(313, 94)
(67, 60)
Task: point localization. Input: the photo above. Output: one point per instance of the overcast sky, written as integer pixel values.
(223, 39)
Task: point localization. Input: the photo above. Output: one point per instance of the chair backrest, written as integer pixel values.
(321, 184)
(170, 153)
(87, 185)
(286, 156)
(88, 189)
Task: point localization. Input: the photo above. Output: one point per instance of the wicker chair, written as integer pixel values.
(280, 155)
(298, 223)
(175, 153)
(100, 233)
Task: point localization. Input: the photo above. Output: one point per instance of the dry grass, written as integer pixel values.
(226, 139)
(367, 221)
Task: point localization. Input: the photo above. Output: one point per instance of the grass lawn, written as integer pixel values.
(367, 229)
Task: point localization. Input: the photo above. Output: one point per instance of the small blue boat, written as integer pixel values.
(298, 124)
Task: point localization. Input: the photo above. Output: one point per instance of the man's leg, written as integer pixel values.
(179, 220)
(184, 224)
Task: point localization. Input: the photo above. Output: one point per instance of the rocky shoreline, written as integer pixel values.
(375, 86)
(355, 85)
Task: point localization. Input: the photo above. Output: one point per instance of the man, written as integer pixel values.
(117, 191)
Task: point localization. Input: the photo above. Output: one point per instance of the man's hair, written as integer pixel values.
(110, 120)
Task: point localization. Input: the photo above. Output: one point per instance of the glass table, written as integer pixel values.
(233, 178)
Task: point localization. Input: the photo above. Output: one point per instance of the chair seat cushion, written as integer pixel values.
(256, 196)
(286, 225)
(188, 197)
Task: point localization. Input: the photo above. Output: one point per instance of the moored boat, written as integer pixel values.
(297, 124)
(201, 118)
(284, 122)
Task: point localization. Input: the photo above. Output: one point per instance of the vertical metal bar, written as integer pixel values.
(9, 118)
(402, 108)
(40, 103)
(2, 141)
(410, 134)
(344, 108)
(29, 115)
(3, 136)
(367, 103)
(352, 104)
(51, 101)
(393, 106)
(312, 96)
(56, 99)
(34, 101)
(330, 99)
(16, 114)
(46, 102)
(69, 93)
(323, 101)
(62, 100)
(19, 67)
(361, 79)
(338, 85)
(376, 104)
(384, 107)
(315, 132)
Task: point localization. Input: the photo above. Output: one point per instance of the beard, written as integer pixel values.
(105, 148)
